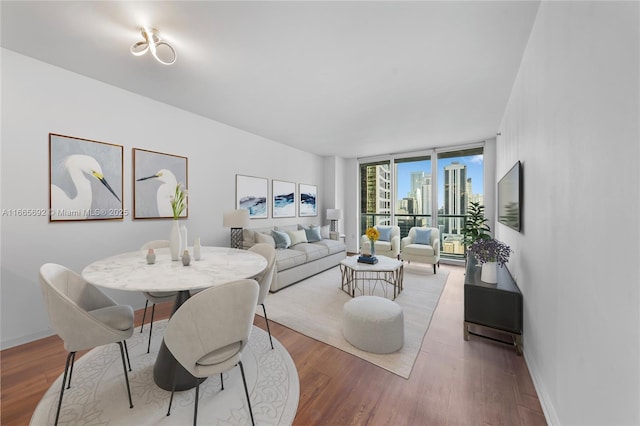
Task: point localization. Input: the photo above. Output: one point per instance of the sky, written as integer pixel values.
(474, 165)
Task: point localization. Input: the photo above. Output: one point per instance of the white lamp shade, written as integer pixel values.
(236, 219)
(333, 214)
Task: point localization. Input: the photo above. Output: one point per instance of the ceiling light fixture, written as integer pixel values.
(152, 41)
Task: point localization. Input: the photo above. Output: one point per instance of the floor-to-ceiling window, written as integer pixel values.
(461, 180)
(433, 188)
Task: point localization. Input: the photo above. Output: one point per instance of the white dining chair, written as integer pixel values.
(84, 318)
(155, 296)
(208, 333)
(265, 278)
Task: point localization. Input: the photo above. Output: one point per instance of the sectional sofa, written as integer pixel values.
(319, 250)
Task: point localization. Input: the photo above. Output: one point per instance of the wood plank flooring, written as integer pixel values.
(478, 382)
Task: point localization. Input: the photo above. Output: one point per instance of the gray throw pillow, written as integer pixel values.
(423, 236)
(282, 239)
(313, 234)
(385, 233)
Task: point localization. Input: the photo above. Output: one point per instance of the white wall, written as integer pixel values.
(37, 99)
(572, 120)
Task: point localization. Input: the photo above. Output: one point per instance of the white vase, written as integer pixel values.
(183, 238)
(196, 248)
(175, 240)
(489, 272)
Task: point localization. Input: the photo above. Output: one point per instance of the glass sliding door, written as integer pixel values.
(460, 181)
(375, 194)
(413, 193)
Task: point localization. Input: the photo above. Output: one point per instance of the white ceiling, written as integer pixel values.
(349, 79)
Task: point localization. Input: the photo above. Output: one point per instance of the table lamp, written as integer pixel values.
(334, 215)
(236, 220)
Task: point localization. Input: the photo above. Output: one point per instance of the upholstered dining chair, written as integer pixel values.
(422, 244)
(155, 297)
(84, 318)
(208, 333)
(264, 279)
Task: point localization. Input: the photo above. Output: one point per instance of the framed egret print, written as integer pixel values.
(308, 200)
(85, 179)
(284, 198)
(251, 194)
(155, 178)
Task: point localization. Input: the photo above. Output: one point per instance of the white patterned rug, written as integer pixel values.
(313, 307)
(98, 394)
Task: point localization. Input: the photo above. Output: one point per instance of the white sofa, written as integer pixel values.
(301, 260)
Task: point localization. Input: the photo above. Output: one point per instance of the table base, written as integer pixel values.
(351, 277)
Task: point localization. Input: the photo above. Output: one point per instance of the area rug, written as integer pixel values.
(98, 394)
(313, 307)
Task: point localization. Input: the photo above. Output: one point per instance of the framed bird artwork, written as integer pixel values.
(156, 178)
(85, 179)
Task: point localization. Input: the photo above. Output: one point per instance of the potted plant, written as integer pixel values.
(475, 226)
(490, 253)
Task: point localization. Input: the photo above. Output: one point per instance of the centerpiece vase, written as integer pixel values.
(373, 248)
(489, 272)
(175, 240)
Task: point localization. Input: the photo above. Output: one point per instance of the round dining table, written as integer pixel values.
(130, 271)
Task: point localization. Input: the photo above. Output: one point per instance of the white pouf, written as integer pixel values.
(373, 324)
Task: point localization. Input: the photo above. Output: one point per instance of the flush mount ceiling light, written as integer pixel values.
(158, 47)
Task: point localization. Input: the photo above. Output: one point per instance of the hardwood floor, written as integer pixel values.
(453, 382)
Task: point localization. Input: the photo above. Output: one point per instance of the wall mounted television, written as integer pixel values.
(510, 198)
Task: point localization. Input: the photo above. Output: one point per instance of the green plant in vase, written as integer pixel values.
(475, 226)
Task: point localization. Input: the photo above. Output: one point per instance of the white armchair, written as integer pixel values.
(386, 247)
(422, 245)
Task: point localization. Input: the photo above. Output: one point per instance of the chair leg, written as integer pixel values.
(126, 351)
(434, 268)
(64, 380)
(126, 376)
(221, 382)
(267, 321)
(153, 312)
(246, 391)
(73, 361)
(173, 388)
(144, 314)
(195, 409)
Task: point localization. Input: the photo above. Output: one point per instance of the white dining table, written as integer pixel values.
(130, 272)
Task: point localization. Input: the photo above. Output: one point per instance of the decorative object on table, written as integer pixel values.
(74, 164)
(308, 200)
(490, 253)
(196, 249)
(183, 238)
(284, 198)
(365, 258)
(475, 225)
(334, 216)
(236, 220)
(151, 257)
(178, 203)
(186, 258)
(251, 195)
(159, 48)
(156, 176)
(372, 234)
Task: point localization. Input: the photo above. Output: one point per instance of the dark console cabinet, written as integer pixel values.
(493, 306)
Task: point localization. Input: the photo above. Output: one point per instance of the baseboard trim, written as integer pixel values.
(10, 343)
(548, 409)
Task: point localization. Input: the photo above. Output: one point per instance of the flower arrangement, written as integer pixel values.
(178, 201)
(372, 234)
(490, 250)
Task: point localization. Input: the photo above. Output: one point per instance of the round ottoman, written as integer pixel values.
(373, 324)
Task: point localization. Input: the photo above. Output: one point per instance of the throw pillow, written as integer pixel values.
(385, 233)
(281, 239)
(265, 239)
(297, 237)
(423, 236)
(324, 232)
(313, 234)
